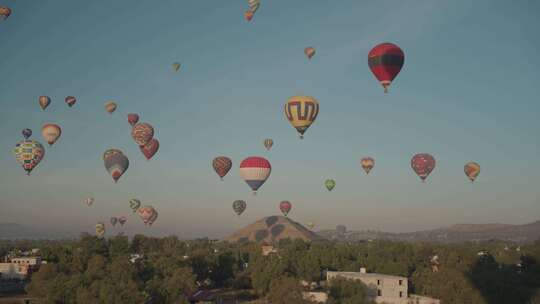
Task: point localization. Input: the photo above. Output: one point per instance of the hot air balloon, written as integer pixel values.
(310, 225)
(142, 133)
(367, 164)
(44, 102)
(122, 220)
(147, 214)
(248, 15)
(26, 133)
(176, 66)
(110, 106)
(309, 51)
(385, 61)
(115, 163)
(285, 207)
(133, 119)
(268, 143)
(255, 171)
(100, 229)
(472, 170)
(254, 5)
(134, 204)
(114, 220)
(5, 12)
(51, 133)
(423, 164)
(222, 165)
(89, 201)
(70, 100)
(239, 206)
(150, 148)
(330, 184)
(301, 111)
(29, 153)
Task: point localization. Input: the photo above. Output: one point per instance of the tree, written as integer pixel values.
(286, 290)
(344, 291)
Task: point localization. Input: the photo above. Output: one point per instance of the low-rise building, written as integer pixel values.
(383, 288)
(19, 268)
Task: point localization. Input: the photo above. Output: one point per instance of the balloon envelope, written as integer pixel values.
(385, 61)
(222, 165)
(100, 229)
(330, 184)
(285, 207)
(29, 153)
(472, 170)
(301, 111)
(114, 220)
(248, 15)
(110, 107)
(70, 101)
(133, 118)
(51, 133)
(255, 171)
(122, 220)
(367, 164)
(176, 66)
(115, 163)
(142, 133)
(89, 201)
(268, 143)
(147, 214)
(423, 164)
(239, 206)
(5, 12)
(254, 5)
(150, 148)
(134, 204)
(26, 133)
(44, 102)
(309, 51)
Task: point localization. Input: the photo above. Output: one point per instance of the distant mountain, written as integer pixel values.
(456, 233)
(271, 229)
(17, 231)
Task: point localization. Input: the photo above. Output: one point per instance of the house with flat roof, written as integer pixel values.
(383, 288)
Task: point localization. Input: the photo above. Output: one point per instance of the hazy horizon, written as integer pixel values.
(467, 92)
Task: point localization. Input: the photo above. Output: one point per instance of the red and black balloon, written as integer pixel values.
(385, 61)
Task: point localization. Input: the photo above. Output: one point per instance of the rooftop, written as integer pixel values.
(366, 275)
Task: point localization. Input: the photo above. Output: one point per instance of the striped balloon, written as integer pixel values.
(268, 143)
(142, 133)
(301, 111)
(29, 153)
(222, 165)
(254, 5)
(44, 102)
(255, 171)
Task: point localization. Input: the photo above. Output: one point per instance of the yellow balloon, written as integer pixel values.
(301, 111)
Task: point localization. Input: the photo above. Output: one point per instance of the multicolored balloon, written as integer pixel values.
(309, 51)
(239, 206)
(5, 12)
(122, 220)
(26, 133)
(248, 15)
(301, 111)
(330, 184)
(29, 153)
(100, 229)
(115, 163)
(89, 201)
(148, 215)
(44, 102)
(134, 204)
(142, 133)
(133, 118)
(70, 101)
(222, 165)
(176, 66)
(367, 164)
(255, 171)
(385, 61)
(423, 164)
(285, 207)
(472, 170)
(150, 148)
(254, 5)
(110, 107)
(114, 220)
(51, 133)
(268, 143)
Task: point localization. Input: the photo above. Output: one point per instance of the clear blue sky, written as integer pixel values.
(467, 92)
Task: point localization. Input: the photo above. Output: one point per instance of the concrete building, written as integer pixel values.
(19, 268)
(383, 288)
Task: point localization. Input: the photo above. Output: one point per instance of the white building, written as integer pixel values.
(19, 268)
(384, 288)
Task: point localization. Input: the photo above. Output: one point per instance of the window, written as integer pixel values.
(400, 282)
(401, 294)
(378, 282)
(379, 293)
